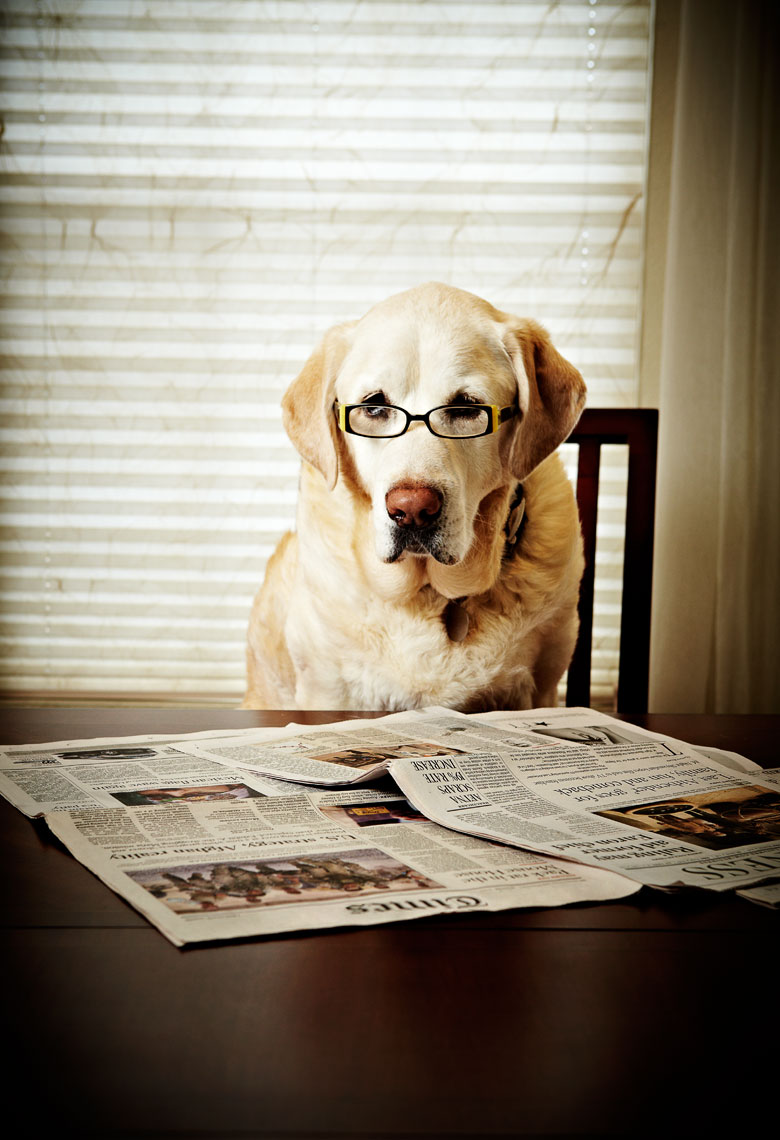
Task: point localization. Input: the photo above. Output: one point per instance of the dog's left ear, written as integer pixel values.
(551, 396)
(307, 405)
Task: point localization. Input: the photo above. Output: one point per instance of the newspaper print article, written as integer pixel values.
(356, 751)
(74, 774)
(203, 871)
(611, 795)
(586, 726)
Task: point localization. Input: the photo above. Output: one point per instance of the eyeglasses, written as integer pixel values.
(451, 421)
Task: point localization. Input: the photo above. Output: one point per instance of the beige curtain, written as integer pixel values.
(716, 623)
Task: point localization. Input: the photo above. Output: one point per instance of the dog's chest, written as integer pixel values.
(394, 659)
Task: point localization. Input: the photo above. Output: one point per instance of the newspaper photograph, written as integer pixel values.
(609, 795)
(206, 871)
(358, 751)
(78, 774)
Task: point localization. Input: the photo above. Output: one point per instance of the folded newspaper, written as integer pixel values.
(609, 795)
(130, 770)
(267, 865)
(768, 894)
(356, 751)
(209, 838)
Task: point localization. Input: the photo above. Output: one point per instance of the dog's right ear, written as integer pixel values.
(551, 396)
(307, 405)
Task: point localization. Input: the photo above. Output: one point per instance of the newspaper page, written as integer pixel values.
(356, 751)
(77, 774)
(768, 894)
(610, 795)
(212, 871)
(586, 726)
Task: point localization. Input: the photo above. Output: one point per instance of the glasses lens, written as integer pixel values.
(376, 419)
(460, 422)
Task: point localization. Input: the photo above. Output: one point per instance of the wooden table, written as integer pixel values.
(654, 1015)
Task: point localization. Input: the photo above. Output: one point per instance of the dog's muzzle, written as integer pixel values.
(416, 511)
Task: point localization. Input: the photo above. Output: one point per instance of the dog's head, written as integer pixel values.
(432, 347)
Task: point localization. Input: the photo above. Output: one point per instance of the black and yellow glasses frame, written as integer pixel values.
(497, 416)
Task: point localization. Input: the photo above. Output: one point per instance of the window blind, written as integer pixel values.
(193, 191)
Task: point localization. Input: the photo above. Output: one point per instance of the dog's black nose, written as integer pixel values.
(413, 504)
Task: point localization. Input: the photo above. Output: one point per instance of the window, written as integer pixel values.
(193, 192)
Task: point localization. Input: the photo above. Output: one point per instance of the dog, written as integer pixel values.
(436, 565)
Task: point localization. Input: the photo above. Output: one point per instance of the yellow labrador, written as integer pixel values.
(437, 552)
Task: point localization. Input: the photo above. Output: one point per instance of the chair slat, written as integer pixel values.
(638, 428)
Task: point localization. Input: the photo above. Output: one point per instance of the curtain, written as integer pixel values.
(193, 191)
(716, 627)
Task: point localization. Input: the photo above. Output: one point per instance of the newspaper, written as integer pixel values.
(768, 894)
(587, 726)
(611, 795)
(357, 857)
(74, 774)
(356, 751)
(211, 841)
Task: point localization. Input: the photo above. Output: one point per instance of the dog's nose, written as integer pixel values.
(413, 504)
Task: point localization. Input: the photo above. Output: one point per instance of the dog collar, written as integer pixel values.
(456, 618)
(516, 518)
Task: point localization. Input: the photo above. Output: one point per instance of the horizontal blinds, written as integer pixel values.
(192, 192)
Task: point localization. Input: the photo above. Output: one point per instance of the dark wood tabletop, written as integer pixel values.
(654, 1015)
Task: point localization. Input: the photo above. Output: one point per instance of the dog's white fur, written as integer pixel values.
(347, 618)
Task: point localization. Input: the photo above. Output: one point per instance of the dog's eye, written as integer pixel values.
(374, 411)
(460, 421)
(460, 405)
(376, 419)
(462, 412)
(376, 400)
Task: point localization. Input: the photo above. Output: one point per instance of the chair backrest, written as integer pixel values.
(637, 427)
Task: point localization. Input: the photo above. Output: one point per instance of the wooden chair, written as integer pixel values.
(637, 427)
